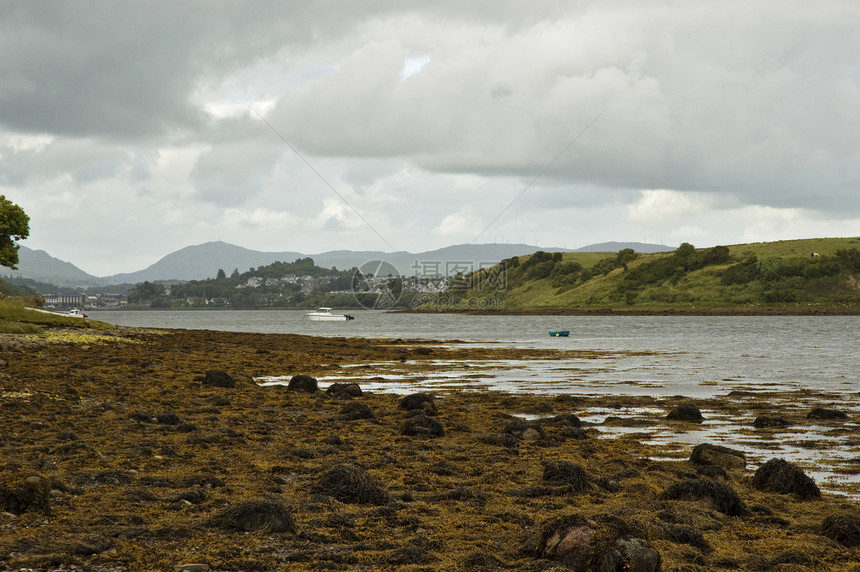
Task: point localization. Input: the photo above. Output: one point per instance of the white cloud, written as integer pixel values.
(460, 225)
(338, 216)
(413, 66)
(268, 219)
(655, 205)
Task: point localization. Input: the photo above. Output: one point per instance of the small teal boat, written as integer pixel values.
(559, 333)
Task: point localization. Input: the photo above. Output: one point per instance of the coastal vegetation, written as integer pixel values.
(787, 276)
(166, 454)
(795, 276)
(19, 316)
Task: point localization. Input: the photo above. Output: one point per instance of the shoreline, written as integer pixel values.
(135, 458)
(617, 311)
(656, 312)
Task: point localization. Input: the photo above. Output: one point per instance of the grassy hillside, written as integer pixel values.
(744, 278)
(18, 317)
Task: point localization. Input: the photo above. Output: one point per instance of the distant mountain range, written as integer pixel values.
(204, 260)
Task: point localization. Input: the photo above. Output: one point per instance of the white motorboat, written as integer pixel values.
(325, 315)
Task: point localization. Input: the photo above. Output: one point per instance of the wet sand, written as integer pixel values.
(117, 454)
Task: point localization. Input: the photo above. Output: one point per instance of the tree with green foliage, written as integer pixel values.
(147, 293)
(14, 226)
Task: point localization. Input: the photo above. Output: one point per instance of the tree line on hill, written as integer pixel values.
(658, 278)
(298, 284)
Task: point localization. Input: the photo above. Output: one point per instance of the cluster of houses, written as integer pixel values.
(66, 301)
(371, 284)
(307, 282)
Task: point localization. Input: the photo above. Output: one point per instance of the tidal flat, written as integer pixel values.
(141, 449)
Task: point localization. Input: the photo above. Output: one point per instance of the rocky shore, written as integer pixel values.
(157, 450)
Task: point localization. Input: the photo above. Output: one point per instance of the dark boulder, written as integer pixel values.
(352, 484)
(602, 544)
(683, 534)
(843, 528)
(574, 433)
(303, 383)
(354, 410)
(564, 473)
(31, 494)
(218, 378)
(826, 414)
(481, 560)
(422, 426)
(770, 423)
(780, 476)
(419, 401)
(707, 454)
(268, 515)
(712, 472)
(568, 540)
(567, 419)
(721, 496)
(168, 418)
(686, 412)
(525, 430)
(344, 390)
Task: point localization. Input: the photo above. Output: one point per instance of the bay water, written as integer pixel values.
(660, 356)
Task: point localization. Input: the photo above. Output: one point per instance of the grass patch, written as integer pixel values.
(10, 327)
(782, 276)
(18, 318)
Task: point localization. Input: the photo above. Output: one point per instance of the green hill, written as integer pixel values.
(782, 276)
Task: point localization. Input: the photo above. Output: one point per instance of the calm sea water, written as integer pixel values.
(692, 356)
(790, 351)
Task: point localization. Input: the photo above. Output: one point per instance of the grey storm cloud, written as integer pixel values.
(430, 115)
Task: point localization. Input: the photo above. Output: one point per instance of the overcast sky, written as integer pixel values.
(129, 130)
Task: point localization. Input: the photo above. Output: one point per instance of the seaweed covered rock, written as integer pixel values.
(707, 454)
(218, 378)
(565, 419)
(525, 430)
(780, 476)
(686, 412)
(602, 544)
(480, 560)
(168, 418)
(564, 473)
(826, 414)
(721, 496)
(33, 493)
(344, 390)
(354, 410)
(303, 383)
(770, 423)
(269, 515)
(352, 484)
(422, 426)
(843, 528)
(419, 401)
